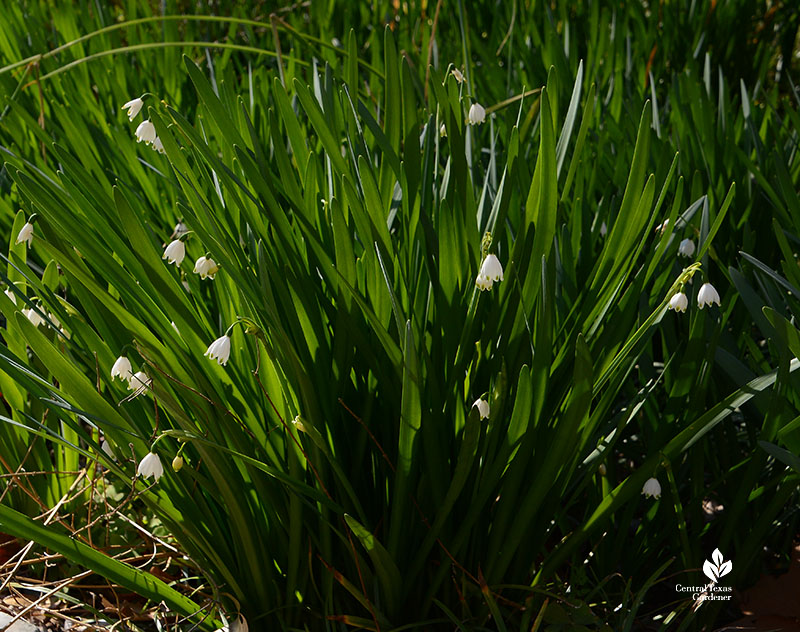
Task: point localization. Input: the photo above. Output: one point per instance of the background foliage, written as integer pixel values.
(303, 149)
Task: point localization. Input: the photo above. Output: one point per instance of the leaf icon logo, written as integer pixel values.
(718, 567)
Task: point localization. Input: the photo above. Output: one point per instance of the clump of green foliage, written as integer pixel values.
(336, 469)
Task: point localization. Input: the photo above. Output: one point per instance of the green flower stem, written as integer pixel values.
(656, 315)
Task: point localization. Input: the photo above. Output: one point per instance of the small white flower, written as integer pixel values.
(33, 316)
(603, 229)
(491, 271)
(149, 466)
(686, 249)
(459, 76)
(483, 408)
(707, 296)
(12, 297)
(175, 252)
(158, 146)
(220, 350)
(139, 383)
(134, 106)
(180, 230)
(122, 369)
(146, 132)
(206, 267)
(477, 114)
(679, 302)
(106, 448)
(662, 226)
(25, 234)
(652, 488)
(443, 131)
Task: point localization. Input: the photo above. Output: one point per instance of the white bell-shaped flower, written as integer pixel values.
(25, 234)
(139, 383)
(175, 252)
(206, 267)
(686, 248)
(652, 488)
(483, 408)
(679, 302)
(134, 106)
(158, 146)
(476, 115)
(491, 271)
(146, 132)
(220, 350)
(122, 369)
(707, 296)
(105, 446)
(149, 466)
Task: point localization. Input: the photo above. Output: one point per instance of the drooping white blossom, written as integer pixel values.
(175, 252)
(105, 446)
(206, 267)
(652, 488)
(476, 115)
(134, 106)
(483, 408)
(25, 234)
(146, 132)
(220, 350)
(139, 383)
(149, 466)
(686, 248)
(122, 369)
(491, 271)
(679, 302)
(707, 295)
(180, 230)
